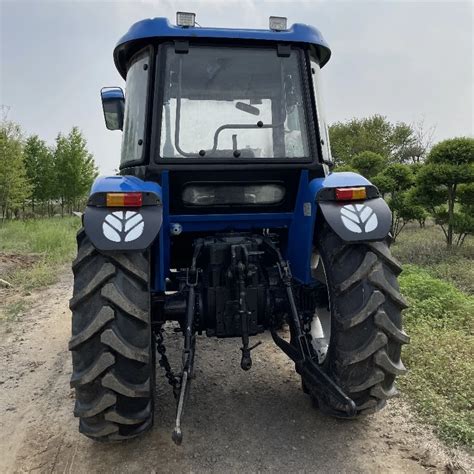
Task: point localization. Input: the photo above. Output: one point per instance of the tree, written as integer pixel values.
(464, 218)
(401, 141)
(14, 185)
(417, 210)
(348, 139)
(416, 144)
(449, 166)
(404, 210)
(397, 143)
(75, 169)
(344, 168)
(30, 172)
(368, 163)
(396, 180)
(39, 165)
(62, 178)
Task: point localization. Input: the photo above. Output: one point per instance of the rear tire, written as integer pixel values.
(111, 344)
(366, 335)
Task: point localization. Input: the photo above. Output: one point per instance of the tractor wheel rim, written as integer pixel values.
(320, 328)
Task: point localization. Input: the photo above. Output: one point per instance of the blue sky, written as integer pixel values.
(408, 60)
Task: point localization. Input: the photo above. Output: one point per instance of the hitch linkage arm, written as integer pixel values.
(189, 344)
(301, 353)
(241, 269)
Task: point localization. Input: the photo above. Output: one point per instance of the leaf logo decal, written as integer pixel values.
(359, 218)
(123, 226)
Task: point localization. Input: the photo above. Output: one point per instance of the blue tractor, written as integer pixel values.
(226, 219)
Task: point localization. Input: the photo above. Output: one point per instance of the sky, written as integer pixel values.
(411, 61)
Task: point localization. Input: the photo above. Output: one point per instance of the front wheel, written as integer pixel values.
(360, 334)
(111, 344)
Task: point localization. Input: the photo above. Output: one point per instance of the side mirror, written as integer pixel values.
(113, 104)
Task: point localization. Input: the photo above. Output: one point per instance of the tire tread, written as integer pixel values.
(364, 353)
(111, 343)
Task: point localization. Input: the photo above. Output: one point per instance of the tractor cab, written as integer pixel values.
(197, 96)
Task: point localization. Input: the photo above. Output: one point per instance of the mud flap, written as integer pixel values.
(361, 220)
(120, 229)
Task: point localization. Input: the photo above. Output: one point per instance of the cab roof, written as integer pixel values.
(143, 31)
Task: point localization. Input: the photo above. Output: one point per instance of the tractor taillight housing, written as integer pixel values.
(351, 194)
(124, 199)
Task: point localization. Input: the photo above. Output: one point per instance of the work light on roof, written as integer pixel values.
(278, 23)
(185, 19)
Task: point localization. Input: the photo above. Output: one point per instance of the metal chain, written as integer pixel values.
(173, 380)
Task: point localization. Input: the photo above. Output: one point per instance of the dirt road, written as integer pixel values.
(236, 421)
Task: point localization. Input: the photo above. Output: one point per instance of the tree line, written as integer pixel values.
(41, 180)
(417, 180)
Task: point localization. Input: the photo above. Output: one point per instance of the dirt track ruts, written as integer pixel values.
(235, 421)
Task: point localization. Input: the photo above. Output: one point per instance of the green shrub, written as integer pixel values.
(435, 301)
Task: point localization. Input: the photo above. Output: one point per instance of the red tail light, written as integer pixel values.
(124, 199)
(350, 194)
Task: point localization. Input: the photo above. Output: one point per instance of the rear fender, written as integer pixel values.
(123, 228)
(352, 221)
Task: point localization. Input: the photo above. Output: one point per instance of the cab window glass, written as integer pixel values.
(136, 92)
(320, 111)
(226, 102)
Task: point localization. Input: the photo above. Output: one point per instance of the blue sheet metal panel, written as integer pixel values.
(123, 184)
(300, 239)
(228, 222)
(161, 28)
(158, 284)
(162, 247)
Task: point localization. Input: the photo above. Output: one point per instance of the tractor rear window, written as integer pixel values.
(135, 108)
(223, 102)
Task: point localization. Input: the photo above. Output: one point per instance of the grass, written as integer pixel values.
(52, 240)
(12, 311)
(440, 381)
(427, 248)
(439, 285)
